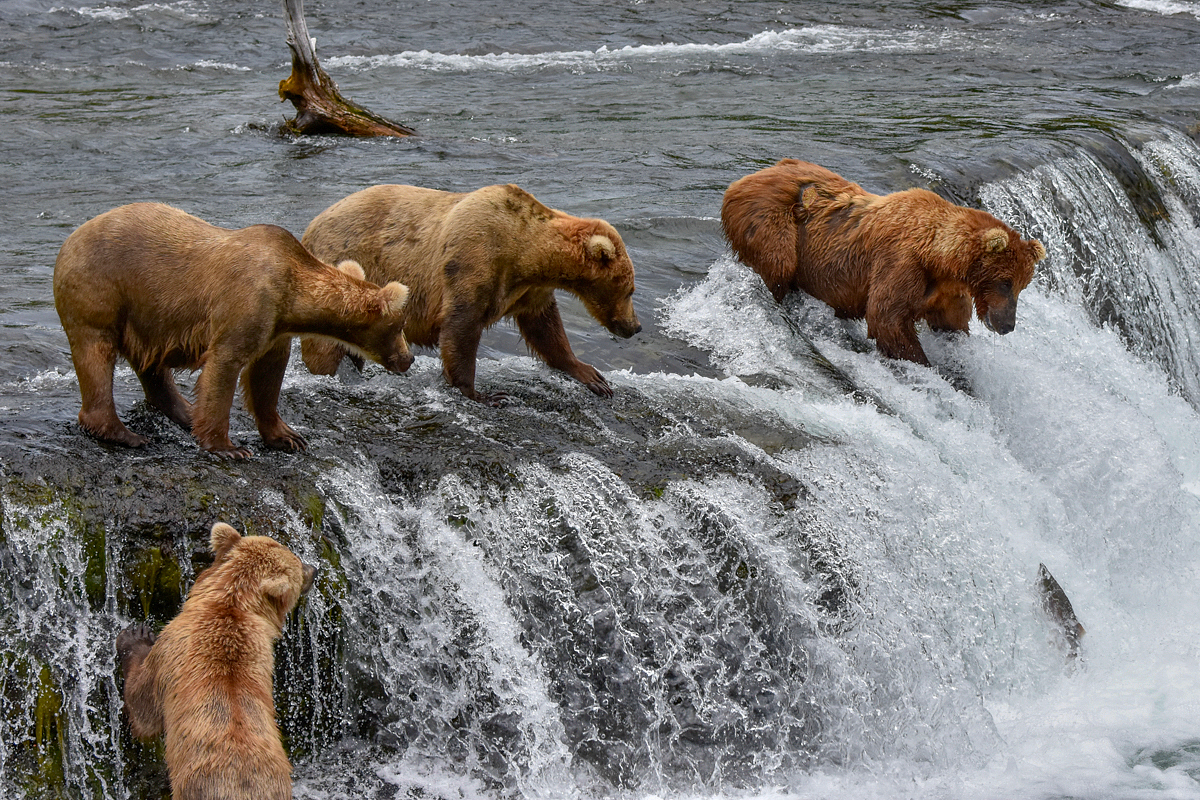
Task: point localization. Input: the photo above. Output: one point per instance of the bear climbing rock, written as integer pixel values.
(472, 259)
(205, 682)
(166, 290)
(893, 258)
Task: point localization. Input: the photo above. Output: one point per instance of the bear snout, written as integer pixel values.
(1001, 318)
(310, 575)
(625, 327)
(399, 362)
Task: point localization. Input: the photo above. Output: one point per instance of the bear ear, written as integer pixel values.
(393, 297)
(222, 538)
(1039, 252)
(353, 269)
(601, 248)
(995, 240)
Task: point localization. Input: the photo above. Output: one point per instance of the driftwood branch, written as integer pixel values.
(320, 107)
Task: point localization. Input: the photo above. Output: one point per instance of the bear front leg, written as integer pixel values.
(949, 313)
(545, 335)
(894, 303)
(94, 355)
(262, 382)
(459, 341)
(898, 340)
(214, 399)
(133, 647)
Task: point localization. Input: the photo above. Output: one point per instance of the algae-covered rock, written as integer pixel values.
(446, 560)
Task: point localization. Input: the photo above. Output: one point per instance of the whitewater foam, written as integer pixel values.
(1165, 7)
(1068, 449)
(185, 8)
(814, 40)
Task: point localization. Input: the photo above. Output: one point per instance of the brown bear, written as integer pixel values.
(472, 259)
(166, 290)
(205, 681)
(894, 258)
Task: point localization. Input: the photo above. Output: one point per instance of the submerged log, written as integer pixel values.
(320, 107)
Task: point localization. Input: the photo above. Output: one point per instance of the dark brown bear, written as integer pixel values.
(893, 259)
(166, 290)
(475, 258)
(206, 681)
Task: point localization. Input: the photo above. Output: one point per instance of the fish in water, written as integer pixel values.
(1058, 607)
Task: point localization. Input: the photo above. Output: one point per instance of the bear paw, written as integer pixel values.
(284, 438)
(600, 388)
(590, 377)
(134, 642)
(233, 452)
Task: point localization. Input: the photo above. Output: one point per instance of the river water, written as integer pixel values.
(834, 593)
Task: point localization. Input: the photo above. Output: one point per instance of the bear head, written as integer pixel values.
(256, 574)
(377, 326)
(1001, 268)
(606, 282)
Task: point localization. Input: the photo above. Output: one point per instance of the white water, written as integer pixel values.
(1102, 256)
(941, 678)
(1167, 7)
(1071, 452)
(809, 40)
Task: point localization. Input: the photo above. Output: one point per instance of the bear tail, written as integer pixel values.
(758, 217)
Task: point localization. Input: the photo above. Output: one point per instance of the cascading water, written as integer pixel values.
(814, 575)
(1123, 241)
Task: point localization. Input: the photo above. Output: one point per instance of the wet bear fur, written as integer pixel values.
(166, 290)
(893, 258)
(471, 259)
(206, 681)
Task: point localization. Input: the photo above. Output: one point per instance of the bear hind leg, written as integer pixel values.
(95, 355)
(161, 392)
(262, 382)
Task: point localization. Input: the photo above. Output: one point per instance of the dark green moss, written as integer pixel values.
(95, 571)
(50, 729)
(314, 510)
(156, 583)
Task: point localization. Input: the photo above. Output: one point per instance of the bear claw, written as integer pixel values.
(139, 635)
(234, 453)
(291, 442)
(600, 388)
(494, 399)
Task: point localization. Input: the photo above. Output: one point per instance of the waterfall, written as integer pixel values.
(1120, 224)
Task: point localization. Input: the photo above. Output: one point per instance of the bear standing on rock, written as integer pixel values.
(206, 681)
(893, 258)
(166, 290)
(472, 259)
